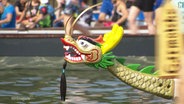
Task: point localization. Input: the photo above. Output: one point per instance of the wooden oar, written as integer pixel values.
(63, 83)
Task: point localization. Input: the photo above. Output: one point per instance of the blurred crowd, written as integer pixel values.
(40, 13)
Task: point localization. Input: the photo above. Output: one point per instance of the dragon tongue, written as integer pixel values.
(67, 53)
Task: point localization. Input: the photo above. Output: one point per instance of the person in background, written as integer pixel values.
(8, 18)
(120, 13)
(93, 3)
(105, 10)
(1, 8)
(45, 16)
(30, 10)
(71, 11)
(147, 7)
(180, 84)
(158, 3)
(85, 19)
(58, 22)
(60, 6)
(157, 7)
(19, 7)
(129, 3)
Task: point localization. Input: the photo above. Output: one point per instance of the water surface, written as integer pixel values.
(35, 80)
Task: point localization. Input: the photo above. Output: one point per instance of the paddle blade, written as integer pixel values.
(63, 87)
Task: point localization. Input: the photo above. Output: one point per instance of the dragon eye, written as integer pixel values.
(83, 43)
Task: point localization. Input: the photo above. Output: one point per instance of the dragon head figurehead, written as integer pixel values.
(89, 50)
(82, 50)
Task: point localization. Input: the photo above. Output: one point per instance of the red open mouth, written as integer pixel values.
(73, 54)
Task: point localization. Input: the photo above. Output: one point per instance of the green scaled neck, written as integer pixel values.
(105, 62)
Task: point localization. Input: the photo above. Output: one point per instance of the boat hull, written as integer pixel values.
(140, 45)
(46, 42)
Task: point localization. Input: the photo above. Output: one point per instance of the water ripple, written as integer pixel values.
(35, 80)
(8, 93)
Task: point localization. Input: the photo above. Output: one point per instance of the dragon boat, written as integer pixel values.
(98, 53)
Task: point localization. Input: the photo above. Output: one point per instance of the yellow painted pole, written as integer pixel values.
(169, 42)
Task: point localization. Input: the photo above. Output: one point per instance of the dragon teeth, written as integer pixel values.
(74, 58)
(76, 51)
(79, 58)
(66, 47)
(83, 57)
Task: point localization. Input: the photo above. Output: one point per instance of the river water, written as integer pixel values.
(35, 80)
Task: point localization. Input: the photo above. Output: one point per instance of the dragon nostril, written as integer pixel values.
(69, 39)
